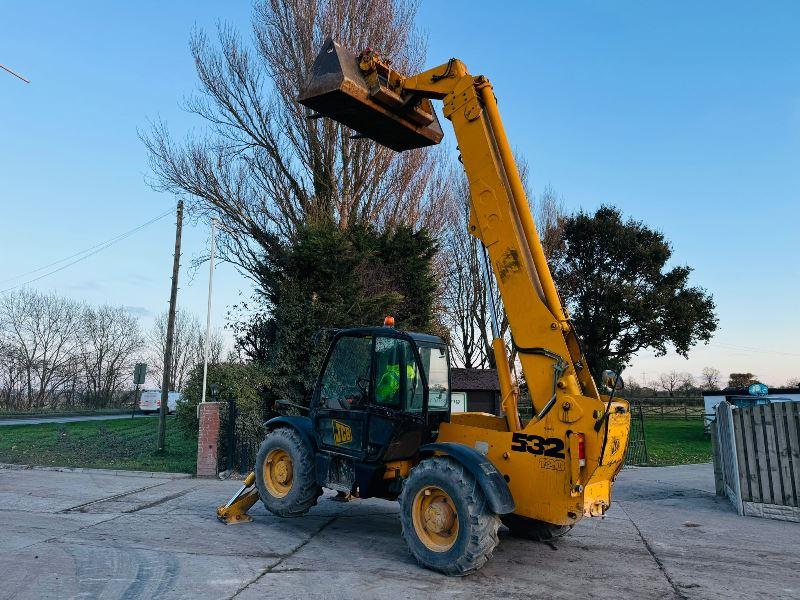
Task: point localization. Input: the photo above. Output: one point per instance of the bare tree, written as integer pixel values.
(110, 337)
(710, 378)
(464, 289)
(42, 330)
(793, 382)
(264, 167)
(11, 372)
(549, 213)
(216, 346)
(187, 349)
(466, 294)
(673, 381)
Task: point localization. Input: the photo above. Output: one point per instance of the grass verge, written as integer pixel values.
(676, 442)
(114, 444)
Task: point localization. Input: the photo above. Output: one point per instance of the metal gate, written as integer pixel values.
(240, 437)
(637, 441)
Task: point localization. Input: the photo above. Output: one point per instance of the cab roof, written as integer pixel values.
(417, 337)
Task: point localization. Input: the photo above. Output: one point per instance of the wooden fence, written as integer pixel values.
(757, 458)
(672, 411)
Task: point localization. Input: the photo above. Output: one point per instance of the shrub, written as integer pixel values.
(244, 382)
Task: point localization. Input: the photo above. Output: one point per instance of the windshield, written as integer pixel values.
(434, 361)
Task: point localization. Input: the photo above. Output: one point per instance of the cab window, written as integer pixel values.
(345, 384)
(435, 362)
(396, 379)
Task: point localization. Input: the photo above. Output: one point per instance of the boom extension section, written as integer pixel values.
(366, 94)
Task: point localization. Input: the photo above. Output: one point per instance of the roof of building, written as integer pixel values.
(743, 391)
(464, 380)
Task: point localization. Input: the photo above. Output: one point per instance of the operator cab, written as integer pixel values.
(381, 394)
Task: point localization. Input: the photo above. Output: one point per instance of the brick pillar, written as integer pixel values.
(208, 436)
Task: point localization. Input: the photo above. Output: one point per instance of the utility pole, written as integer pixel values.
(173, 296)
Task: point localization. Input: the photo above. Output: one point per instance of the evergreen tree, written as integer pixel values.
(330, 277)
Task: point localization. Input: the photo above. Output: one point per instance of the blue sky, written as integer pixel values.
(685, 115)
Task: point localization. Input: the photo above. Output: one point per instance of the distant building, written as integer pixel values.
(741, 398)
(475, 390)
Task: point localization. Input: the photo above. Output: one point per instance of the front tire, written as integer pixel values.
(531, 529)
(446, 520)
(285, 476)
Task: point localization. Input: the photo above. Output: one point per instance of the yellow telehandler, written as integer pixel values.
(379, 422)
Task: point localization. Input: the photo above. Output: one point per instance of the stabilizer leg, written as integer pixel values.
(235, 510)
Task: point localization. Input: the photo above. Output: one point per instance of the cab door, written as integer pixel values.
(397, 426)
(342, 397)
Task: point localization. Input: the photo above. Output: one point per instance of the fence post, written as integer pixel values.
(208, 435)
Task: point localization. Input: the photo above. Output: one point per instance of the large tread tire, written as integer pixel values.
(304, 490)
(477, 524)
(531, 529)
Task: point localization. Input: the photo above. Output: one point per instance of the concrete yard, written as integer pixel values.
(97, 534)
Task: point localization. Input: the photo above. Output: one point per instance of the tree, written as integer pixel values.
(613, 278)
(741, 380)
(710, 378)
(110, 338)
(187, 348)
(673, 381)
(465, 294)
(303, 290)
(549, 215)
(793, 382)
(40, 334)
(263, 167)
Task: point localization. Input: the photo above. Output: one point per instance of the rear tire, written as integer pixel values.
(446, 520)
(285, 476)
(531, 529)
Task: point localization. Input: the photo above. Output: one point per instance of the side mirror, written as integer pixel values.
(612, 380)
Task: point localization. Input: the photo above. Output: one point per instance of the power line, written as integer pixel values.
(14, 73)
(82, 255)
(106, 242)
(727, 346)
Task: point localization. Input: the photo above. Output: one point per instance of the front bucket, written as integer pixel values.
(337, 89)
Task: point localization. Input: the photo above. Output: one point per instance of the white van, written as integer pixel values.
(150, 401)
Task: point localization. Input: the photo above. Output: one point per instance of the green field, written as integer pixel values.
(130, 444)
(676, 441)
(113, 444)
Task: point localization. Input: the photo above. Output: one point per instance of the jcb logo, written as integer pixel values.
(342, 433)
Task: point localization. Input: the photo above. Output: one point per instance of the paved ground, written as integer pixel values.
(94, 534)
(40, 420)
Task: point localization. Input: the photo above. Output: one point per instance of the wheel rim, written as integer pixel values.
(435, 518)
(278, 473)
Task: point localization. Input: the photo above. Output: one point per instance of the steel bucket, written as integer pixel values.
(337, 89)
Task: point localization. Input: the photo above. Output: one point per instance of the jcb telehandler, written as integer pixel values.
(380, 423)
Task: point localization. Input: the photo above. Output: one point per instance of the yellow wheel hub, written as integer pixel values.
(435, 518)
(278, 473)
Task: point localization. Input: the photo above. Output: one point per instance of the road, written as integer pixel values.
(42, 420)
(93, 534)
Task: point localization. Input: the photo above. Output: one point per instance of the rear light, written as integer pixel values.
(581, 450)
